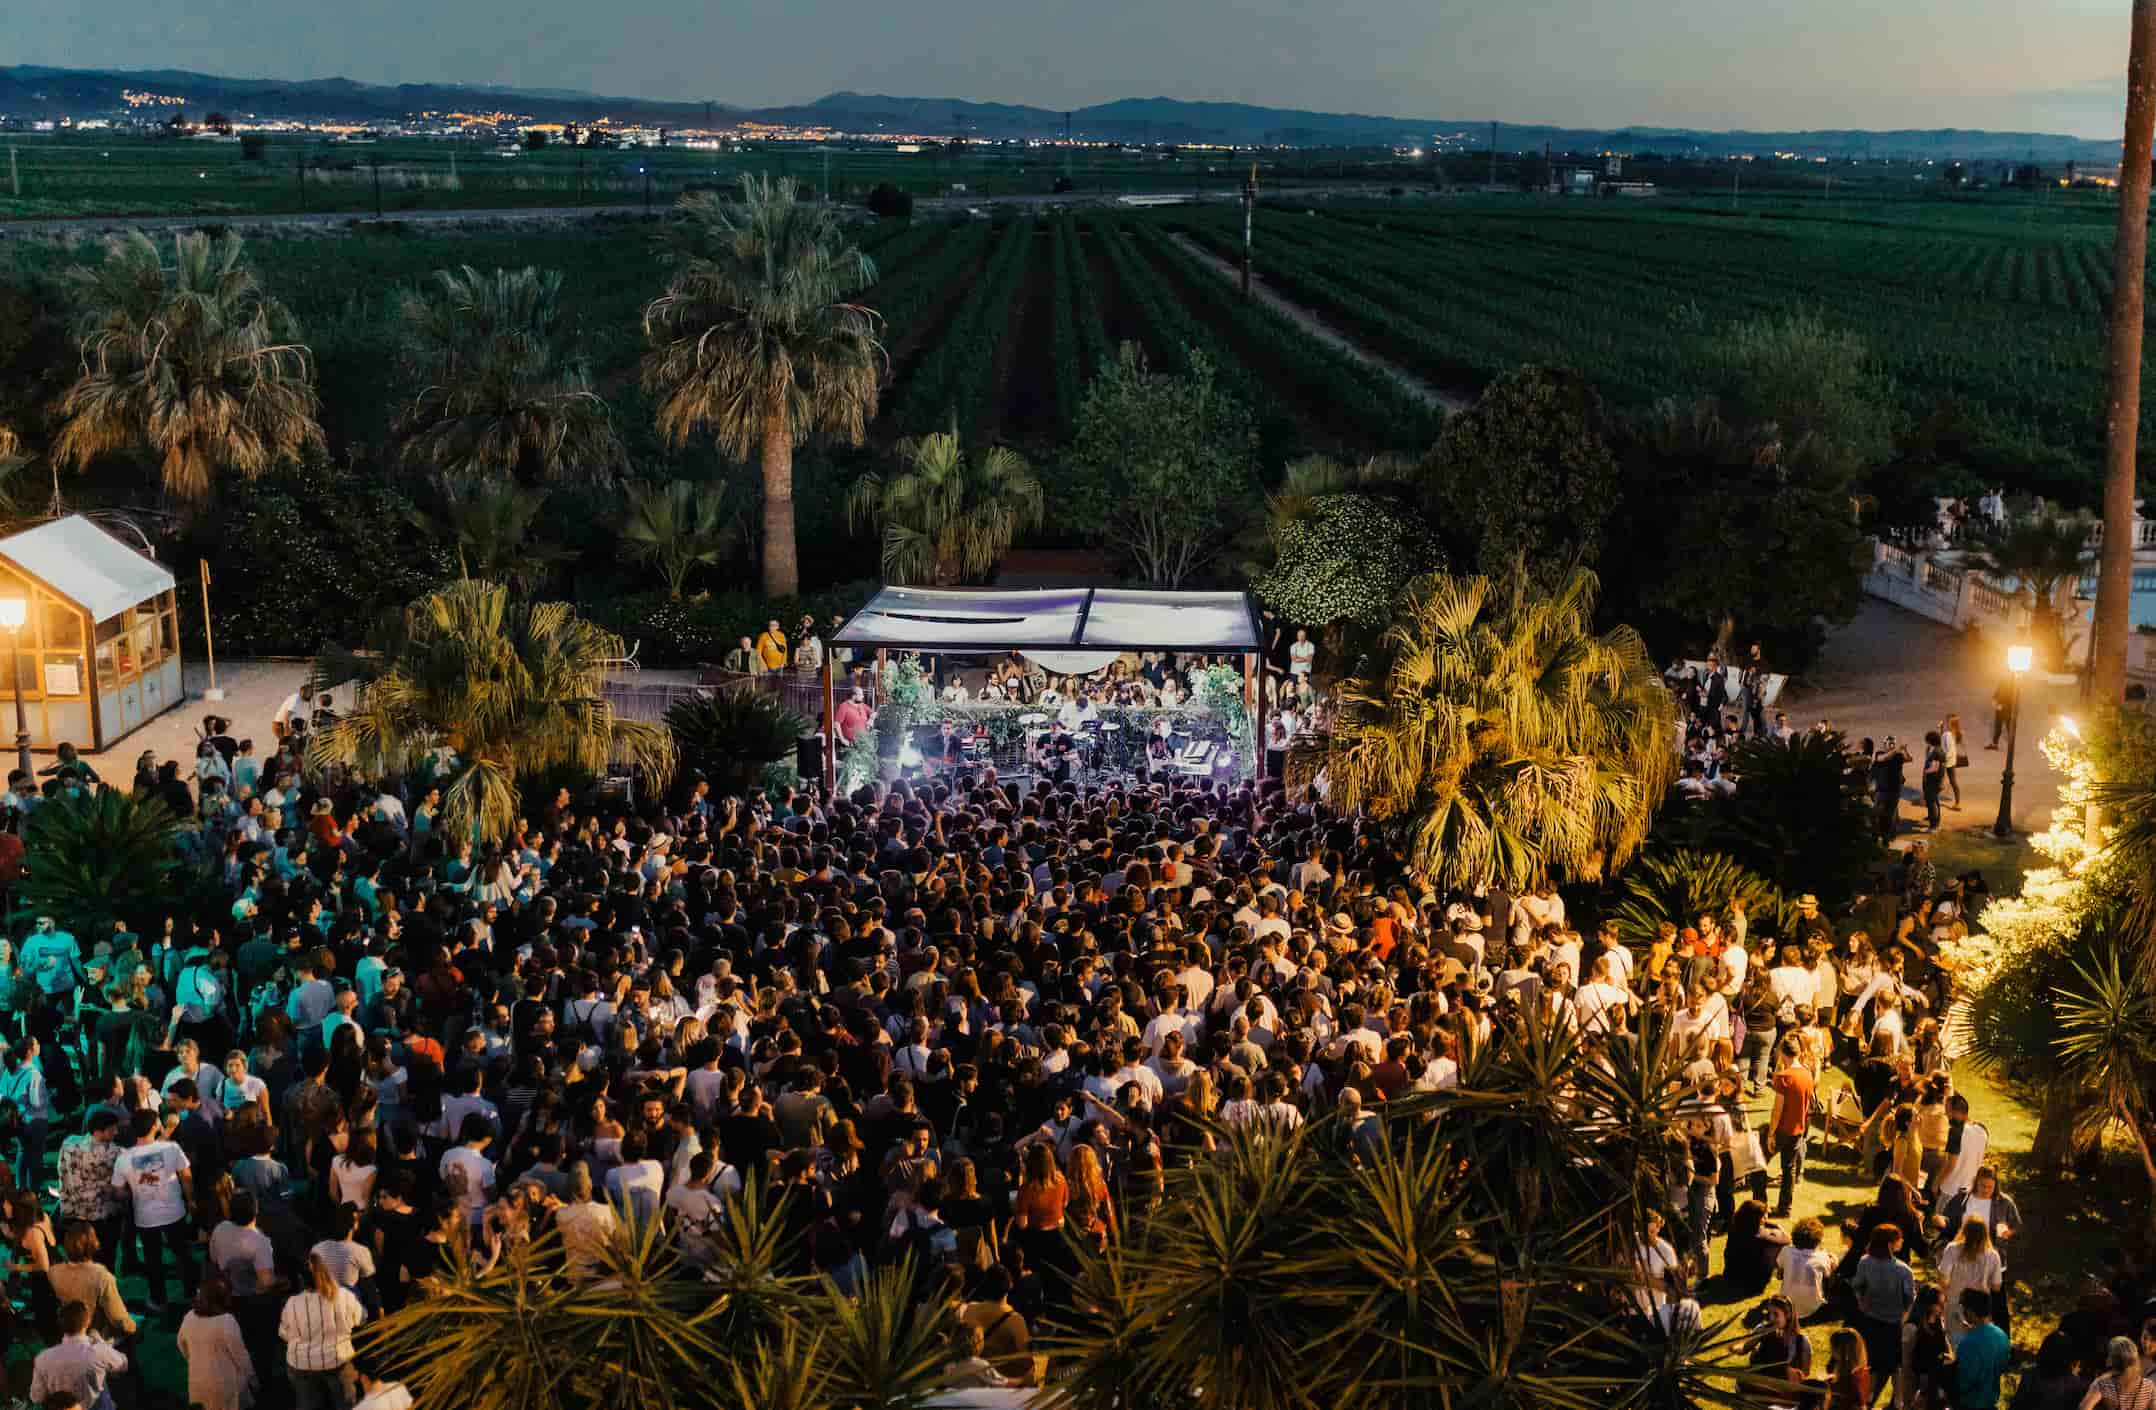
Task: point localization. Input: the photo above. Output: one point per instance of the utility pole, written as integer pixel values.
(1493, 156)
(14, 176)
(1736, 182)
(1250, 201)
(299, 170)
(376, 163)
(646, 170)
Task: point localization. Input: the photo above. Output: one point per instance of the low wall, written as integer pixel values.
(1962, 599)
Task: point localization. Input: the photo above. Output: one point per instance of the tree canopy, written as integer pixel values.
(1162, 463)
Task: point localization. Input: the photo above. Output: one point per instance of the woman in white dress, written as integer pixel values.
(1970, 1261)
(220, 1374)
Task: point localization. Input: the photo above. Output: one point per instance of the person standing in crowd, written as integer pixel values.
(317, 1325)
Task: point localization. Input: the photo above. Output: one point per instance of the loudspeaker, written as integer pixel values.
(808, 757)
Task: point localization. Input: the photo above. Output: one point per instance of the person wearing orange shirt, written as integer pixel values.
(771, 646)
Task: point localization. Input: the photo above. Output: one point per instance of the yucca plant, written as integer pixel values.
(520, 1335)
(729, 735)
(94, 857)
(883, 1348)
(2107, 1045)
(1678, 886)
(510, 688)
(752, 1296)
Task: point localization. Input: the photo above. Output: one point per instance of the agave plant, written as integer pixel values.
(883, 1348)
(95, 857)
(729, 735)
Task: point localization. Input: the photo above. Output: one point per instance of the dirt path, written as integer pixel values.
(1420, 388)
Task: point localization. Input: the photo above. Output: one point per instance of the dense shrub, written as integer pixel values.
(304, 556)
(697, 630)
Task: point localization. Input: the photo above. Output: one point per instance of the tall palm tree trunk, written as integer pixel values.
(782, 560)
(2114, 582)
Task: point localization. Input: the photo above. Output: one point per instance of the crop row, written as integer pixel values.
(949, 378)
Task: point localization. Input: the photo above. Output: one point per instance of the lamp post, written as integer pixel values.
(2018, 660)
(14, 611)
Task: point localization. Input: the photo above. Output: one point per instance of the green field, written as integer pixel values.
(1986, 310)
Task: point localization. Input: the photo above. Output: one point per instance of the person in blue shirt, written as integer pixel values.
(1980, 1359)
(52, 958)
(22, 1081)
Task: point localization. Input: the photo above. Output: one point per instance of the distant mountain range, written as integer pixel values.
(29, 91)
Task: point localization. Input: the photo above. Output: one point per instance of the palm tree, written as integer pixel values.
(2040, 554)
(676, 525)
(94, 857)
(510, 689)
(2107, 1044)
(757, 338)
(492, 527)
(947, 515)
(2122, 419)
(730, 735)
(1504, 738)
(501, 389)
(190, 361)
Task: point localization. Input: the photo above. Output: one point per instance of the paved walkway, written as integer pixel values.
(1892, 672)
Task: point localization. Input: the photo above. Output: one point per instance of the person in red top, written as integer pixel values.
(852, 717)
(1790, 1123)
(1390, 1076)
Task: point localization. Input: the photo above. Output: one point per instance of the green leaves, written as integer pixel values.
(510, 688)
(94, 857)
(501, 389)
(945, 515)
(1346, 557)
(731, 734)
(1681, 885)
(677, 525)
(1504, 739)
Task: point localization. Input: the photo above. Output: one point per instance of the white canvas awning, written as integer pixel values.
(1068, 619)
(79, 561)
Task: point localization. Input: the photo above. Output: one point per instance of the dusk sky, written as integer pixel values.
(2001, 64)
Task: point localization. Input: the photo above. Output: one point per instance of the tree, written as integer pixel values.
(757, 339)
(1734, 530)
(1814, 383)
(945, 515)
(888, 202)
(2122, 415)
(1346, 557)
(189, 361)
(501, 389)
(93, 857)
(1525, 474)
(218, 123)
(1503, 738)
(676, 525)
(510, 689)
(534, 140)
(492, 528)
(2034, 557)
(2106, 1040)
(1161, 464)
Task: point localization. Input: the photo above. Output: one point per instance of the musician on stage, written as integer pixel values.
(1078, 711)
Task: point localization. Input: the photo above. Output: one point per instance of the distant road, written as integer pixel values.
(329, 220)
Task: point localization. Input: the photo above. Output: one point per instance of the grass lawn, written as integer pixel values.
(2068, 1226)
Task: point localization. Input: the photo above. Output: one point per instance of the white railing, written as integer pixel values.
(2144, 534)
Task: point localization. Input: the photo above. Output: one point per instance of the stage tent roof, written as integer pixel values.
(1090, 619)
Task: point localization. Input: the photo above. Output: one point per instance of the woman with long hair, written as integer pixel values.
(1970, 1261)
(220, 1372)
(317, 1326)
(1037, 1211)
(1091, 1210)
(30, 1238)
(1849, 1373)
(1925, 1354)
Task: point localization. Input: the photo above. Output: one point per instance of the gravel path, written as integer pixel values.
(1420, 388)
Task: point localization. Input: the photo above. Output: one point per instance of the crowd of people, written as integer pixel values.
(950, 1021)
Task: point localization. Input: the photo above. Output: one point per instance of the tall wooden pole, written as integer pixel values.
(2114, 579)
(830, 731)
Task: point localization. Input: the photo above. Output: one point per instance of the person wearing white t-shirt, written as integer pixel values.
(1657, 1259)
(698, 1205)
(157, 1178)
(1600, 1004)
(1302, 655)
(1790, 981)
(466, 1171)
(1803, 1267)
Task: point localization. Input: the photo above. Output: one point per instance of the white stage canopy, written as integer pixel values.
(1056, 619)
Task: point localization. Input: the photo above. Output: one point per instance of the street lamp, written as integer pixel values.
(2018, 661)
(14, 611)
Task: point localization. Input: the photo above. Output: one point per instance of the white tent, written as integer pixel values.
(99, 649)
(1070, 619)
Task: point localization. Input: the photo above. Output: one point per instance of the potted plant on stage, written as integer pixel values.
(904, 692)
